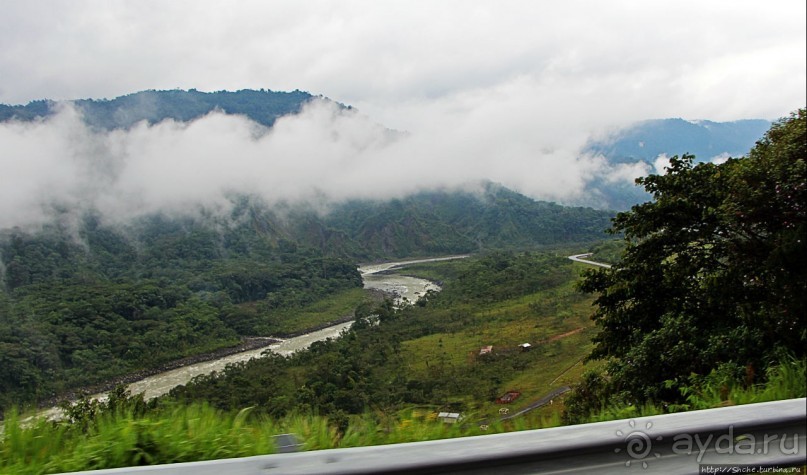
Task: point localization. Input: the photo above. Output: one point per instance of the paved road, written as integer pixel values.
(580, 258)
(539, 403)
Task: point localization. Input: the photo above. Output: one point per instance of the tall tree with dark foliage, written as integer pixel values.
(713, 276)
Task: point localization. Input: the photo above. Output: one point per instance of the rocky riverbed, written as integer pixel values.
(247, 344)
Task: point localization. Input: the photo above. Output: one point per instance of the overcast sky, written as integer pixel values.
(507, 89)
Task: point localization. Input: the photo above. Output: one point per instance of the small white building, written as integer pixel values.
(449, 417)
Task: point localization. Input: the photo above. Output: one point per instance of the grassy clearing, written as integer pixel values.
(293, 320)
(554, 321)
(437, 271)
(550, 370)
(338, 305)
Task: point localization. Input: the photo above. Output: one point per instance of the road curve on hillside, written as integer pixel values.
(580, 258)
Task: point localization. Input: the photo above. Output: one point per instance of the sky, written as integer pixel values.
(505, 90)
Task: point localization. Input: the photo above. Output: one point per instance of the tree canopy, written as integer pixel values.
(713, 276)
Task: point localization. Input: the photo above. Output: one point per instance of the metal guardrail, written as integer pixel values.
(724, 440)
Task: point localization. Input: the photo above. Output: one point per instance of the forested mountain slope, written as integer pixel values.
(82, 308)
(462, 221)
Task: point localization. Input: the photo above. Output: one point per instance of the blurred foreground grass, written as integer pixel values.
(178, 433)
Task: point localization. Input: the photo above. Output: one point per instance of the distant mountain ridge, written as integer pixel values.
(261, 106)
(642, 143)
(705, 139)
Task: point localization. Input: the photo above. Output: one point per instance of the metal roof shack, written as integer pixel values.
(508, 397)
(449, 417)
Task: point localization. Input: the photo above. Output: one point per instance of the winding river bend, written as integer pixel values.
(404, 288)
(375, 276)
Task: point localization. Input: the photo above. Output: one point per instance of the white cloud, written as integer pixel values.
(722, 158)
(661, 163)
(626, 172)
(668, 58)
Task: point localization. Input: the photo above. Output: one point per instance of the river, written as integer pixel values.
(375, 277)
(406, 289)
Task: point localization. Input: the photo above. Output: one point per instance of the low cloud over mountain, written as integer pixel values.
(174, 151)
